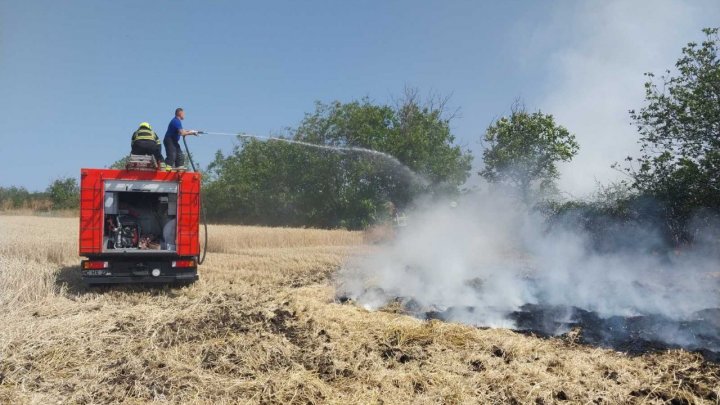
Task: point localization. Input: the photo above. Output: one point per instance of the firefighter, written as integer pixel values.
(175, 130)
(146, 142)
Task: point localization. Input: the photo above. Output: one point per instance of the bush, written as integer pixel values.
(64, 193)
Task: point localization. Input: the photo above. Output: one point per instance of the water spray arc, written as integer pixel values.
(415, 177)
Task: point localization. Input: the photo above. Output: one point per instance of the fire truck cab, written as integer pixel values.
(139, 226)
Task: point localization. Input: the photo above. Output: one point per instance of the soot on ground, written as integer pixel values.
(630, 334)
(635, 335)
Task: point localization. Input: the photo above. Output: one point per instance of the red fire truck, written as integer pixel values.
(139, 226)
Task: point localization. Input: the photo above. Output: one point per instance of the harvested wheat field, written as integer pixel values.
(263, 326)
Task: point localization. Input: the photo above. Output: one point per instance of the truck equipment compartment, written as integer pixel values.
(137, 221)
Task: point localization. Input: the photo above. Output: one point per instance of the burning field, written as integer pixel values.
(634, 335)
(493, 263)
(265, 325)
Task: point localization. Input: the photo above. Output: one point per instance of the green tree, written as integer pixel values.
(522, 151)
(282, 183)
(679, 128)
(64, 193)
(14, 197)
(257, 183)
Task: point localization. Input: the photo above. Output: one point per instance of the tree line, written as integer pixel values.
(62, 193)
(279, 183)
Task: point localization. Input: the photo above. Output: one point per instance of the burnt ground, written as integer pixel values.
(633, 335)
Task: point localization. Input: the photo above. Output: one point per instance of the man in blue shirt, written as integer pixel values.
(175, 158)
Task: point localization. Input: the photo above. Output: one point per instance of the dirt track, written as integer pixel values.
(263, 326)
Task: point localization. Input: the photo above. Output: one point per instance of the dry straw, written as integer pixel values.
(262, 326)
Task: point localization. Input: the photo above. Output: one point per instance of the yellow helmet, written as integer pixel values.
(146, 125)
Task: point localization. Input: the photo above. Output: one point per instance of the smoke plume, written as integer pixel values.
(487, 259)
(595, 54)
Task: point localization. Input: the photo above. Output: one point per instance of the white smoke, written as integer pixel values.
(596, 75)
(488, 257)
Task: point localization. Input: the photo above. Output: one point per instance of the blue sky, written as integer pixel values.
(76, 77)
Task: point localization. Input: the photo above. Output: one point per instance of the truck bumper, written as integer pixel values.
(137, 272)
(178, 278)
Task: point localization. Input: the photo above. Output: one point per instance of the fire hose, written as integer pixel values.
(201, 259)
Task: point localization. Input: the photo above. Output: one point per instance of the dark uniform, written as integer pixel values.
(175, 157)
(146, 142)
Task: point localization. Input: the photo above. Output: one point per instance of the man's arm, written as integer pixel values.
(182, 132)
